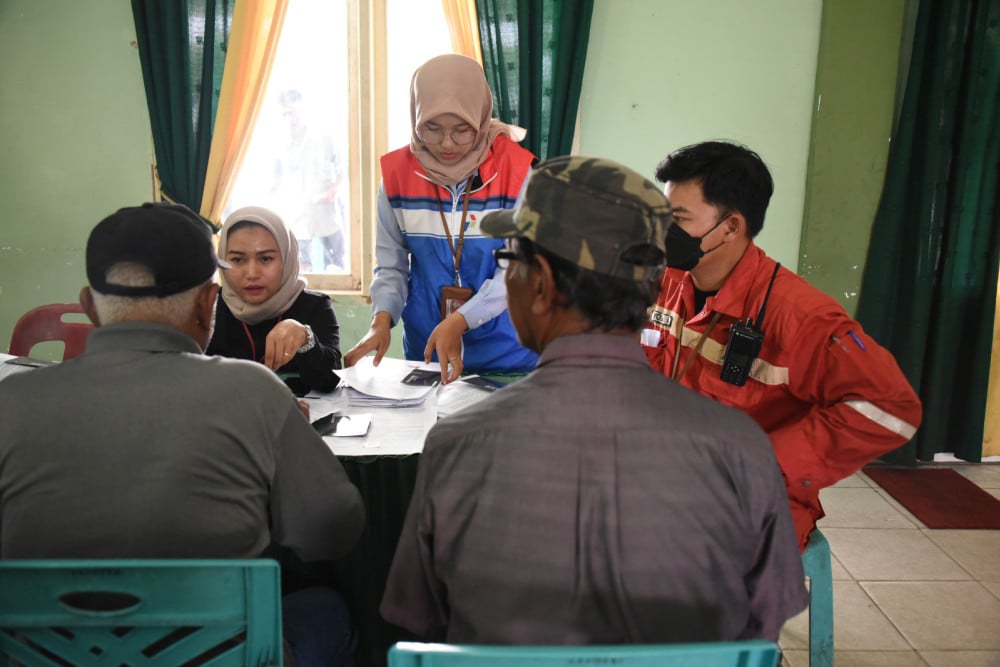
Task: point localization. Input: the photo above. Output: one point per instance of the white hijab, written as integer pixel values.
(455, 84)
(291, 283)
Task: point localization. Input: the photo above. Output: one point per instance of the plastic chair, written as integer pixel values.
(140, 612)
(45, 323)
(816, 563)
(751, 653)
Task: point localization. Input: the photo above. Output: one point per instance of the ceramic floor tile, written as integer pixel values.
(856, 480)
(866, 479)
(800, 658)
(960, 658)
(795, 632)
(896, 505)
(851, 507)
(978, 551)
(985, 475)
(933, 615)
(857, 624)
(838, 571)
(868, 659)
(892, 555)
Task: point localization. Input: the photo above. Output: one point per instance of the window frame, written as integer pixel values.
(368, 139)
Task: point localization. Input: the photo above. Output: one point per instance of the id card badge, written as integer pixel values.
(452, 298)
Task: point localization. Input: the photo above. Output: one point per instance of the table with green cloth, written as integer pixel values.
(386, 484)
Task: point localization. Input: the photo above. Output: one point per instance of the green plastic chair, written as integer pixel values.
(750, 653)
(155, 613)
(816, 563)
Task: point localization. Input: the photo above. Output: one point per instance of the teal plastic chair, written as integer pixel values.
(751, 653)
(816, 563)
(155, 613)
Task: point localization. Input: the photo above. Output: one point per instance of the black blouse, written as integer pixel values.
(313, 368)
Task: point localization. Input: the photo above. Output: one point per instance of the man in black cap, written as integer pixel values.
(594, 501)
(142, 447)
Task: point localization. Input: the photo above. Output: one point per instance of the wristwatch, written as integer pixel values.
(310, 340)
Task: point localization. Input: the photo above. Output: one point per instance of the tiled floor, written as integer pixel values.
(904, 595)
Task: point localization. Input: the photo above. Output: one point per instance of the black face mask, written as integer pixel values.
(683, 250)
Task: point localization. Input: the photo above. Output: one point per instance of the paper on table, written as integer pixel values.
(393, 432)
(459, 395)
(8, 365)
(385, 381)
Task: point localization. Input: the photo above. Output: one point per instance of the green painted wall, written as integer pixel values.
(661, 74)
(76, 141)
(852, 125)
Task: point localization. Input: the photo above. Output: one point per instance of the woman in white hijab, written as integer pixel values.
(434, 269)
(265, 313)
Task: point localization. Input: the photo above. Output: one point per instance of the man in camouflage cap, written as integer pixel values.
(595, 213)
(595, 501)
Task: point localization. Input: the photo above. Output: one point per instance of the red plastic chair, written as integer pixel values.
(45, 323)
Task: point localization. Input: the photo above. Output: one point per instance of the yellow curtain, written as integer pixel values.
(464, 27)
(991, 428)
(253, 41)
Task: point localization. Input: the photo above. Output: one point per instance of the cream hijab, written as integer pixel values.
(291, 284)
(454, 84)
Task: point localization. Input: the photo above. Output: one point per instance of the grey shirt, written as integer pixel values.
(596, 501)
(144, 447)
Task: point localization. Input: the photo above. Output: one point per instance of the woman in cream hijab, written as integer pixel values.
(264, 312)
(434, 269)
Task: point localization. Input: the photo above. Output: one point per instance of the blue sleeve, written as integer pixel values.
(488, 302)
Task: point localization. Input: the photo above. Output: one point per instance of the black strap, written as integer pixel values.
(763, 307)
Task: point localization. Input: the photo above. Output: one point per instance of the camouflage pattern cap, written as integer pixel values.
(596, 213)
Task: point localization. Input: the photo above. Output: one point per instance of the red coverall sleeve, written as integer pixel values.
(862, 405)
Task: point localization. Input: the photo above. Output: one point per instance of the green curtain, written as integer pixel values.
(929, 288)
(533, 54)
(182, 50)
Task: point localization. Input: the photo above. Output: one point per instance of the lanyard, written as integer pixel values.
(456, 253)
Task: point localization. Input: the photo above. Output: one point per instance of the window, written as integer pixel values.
(334, 105)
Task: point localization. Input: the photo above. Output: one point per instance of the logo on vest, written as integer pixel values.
(661, 318)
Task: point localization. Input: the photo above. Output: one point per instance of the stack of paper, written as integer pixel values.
(393, 383)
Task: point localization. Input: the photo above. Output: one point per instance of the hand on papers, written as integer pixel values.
(377, 338)
(446, 340)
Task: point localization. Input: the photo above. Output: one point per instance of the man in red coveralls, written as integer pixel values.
(733, 325)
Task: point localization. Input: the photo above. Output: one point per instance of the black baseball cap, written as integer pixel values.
(173, 241)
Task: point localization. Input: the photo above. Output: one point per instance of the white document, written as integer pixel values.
(9, 365)
(385, 381)
(459, 395)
